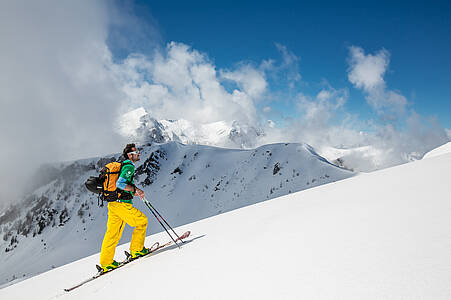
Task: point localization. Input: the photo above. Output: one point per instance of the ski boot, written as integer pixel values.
(112, 266)
(137, 254)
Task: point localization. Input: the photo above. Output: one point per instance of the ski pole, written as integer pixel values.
(164, 227)
(152, 211)
(164, 220)
(153, 207)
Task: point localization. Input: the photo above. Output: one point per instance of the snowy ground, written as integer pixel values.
(383, 235)
(444, 149)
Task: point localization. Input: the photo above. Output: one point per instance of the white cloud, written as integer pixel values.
(267, 109)
(58, 95)
(367, 73)
(325, 123)
(285, 72)
(290, 63)
(321, 109)
(181, 83)
(178, 77)
(251, 80)
(322, 121)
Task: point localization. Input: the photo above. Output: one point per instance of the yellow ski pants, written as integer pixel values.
(120, 213)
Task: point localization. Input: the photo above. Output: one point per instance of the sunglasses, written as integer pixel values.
(134, 152)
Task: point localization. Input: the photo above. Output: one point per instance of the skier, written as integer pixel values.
(122, 211)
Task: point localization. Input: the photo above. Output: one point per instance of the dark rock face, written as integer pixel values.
(150, 167)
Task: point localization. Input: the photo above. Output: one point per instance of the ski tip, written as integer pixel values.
(183, 236)
(154, 247)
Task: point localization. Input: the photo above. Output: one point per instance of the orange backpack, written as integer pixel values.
(105, 183)
(111, 173)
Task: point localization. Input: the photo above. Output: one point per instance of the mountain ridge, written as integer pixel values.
(186, 182)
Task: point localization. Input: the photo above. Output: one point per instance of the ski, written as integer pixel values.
(155, 247)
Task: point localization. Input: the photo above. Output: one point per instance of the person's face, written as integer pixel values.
(134, 155)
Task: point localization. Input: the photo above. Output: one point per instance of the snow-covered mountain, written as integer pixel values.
(60, 221)
(141, 126)
(382, 235)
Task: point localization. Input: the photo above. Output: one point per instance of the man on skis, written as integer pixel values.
(122, 211)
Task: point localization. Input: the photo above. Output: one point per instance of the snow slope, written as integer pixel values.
(444, 149)
(383, 235)
(61, 222)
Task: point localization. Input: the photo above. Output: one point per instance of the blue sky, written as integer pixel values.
(417, 36)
